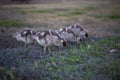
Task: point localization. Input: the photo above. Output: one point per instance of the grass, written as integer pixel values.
(115, 16)
(49, 11)
(109, 16)
(76, 12)
(80, 62)
(13, 23)
(89, 61)
(66, 11)
(45, 11)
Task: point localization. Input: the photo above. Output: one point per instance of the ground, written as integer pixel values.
(97, 58)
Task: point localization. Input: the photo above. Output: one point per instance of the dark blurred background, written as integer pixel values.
(32, 1)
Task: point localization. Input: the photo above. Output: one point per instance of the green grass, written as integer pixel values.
(66, 12)
(109, 16)
(76, 12)
(54, 10)
(12, 23)
(45, 11)
(86, 62)
(115, 16)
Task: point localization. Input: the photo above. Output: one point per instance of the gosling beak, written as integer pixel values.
(64, 43)
(86, 35)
